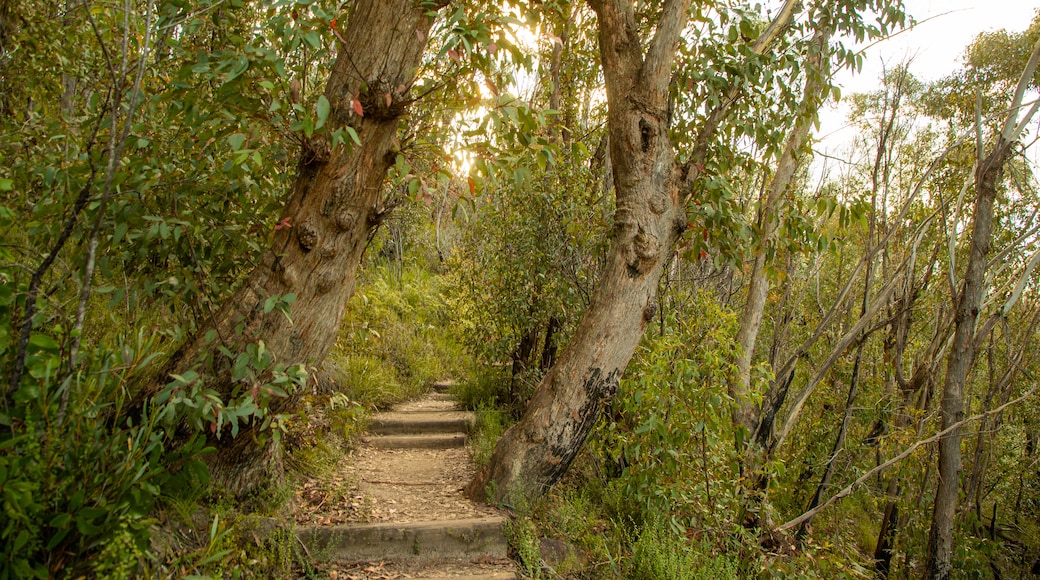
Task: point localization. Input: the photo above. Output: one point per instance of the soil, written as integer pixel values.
(398, 485)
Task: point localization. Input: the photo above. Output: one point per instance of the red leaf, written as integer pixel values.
(356, 105)
(332, 24)
(285, 223)
(454, 55)
(472, 187)
(704, 254)
(700, 168)
(492, 48)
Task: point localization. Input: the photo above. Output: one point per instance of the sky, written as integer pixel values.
(945, 28)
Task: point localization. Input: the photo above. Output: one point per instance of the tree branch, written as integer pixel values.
(906, 453)
(691, 170)
(1011, 127)
(659, 57)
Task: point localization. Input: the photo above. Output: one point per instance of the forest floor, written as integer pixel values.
(410, 470)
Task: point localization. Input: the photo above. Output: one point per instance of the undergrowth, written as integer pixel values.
(397, 338)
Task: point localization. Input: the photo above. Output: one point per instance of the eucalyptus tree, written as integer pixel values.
(950, 336)
(244, 202)
(653, 189)
(988, 175)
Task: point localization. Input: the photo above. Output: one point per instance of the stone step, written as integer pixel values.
(416, 541)
(430, 441)
(416, 422)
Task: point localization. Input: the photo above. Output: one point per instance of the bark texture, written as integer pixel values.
(332, 212)
(537, 451)
(962, 357)
(988, 173)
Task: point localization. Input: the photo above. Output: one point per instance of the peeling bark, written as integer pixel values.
(536, 452)
(332, 211)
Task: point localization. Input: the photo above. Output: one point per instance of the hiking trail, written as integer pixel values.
(394, 508)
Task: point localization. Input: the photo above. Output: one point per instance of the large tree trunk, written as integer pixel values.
(537, 451)
(650, 192)
(332, 212)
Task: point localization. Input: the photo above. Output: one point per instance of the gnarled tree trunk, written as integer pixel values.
(332, 211)
(650, 192)
(537, 451)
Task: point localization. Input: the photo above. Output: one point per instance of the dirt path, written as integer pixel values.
(409, 471)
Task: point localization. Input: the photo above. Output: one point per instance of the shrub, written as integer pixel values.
(79, 479)
(660, 553)
(491, 423)
(669, 428)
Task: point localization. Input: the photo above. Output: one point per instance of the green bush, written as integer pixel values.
(486, 389)
(398, 337)
(669, 428)
(660, 553)
(79, 479)
(522, 536)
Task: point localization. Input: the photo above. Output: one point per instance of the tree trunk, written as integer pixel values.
(770, 220)
(962, 357)
(549, 346)
(536, 452)
(988, 173)
(332, 211)
(650, 217)
(887, 534)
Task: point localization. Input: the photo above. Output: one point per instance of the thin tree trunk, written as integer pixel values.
(839, 441)
(332, 211)
(988, 428)
(988, 174)
(887, 534)
(745, 412)
(549, 347)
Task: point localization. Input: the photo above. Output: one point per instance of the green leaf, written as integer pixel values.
(44, 342)
(60, 520)
(236, 141)
(323, 111)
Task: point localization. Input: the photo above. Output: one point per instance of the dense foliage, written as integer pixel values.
(149, 148)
